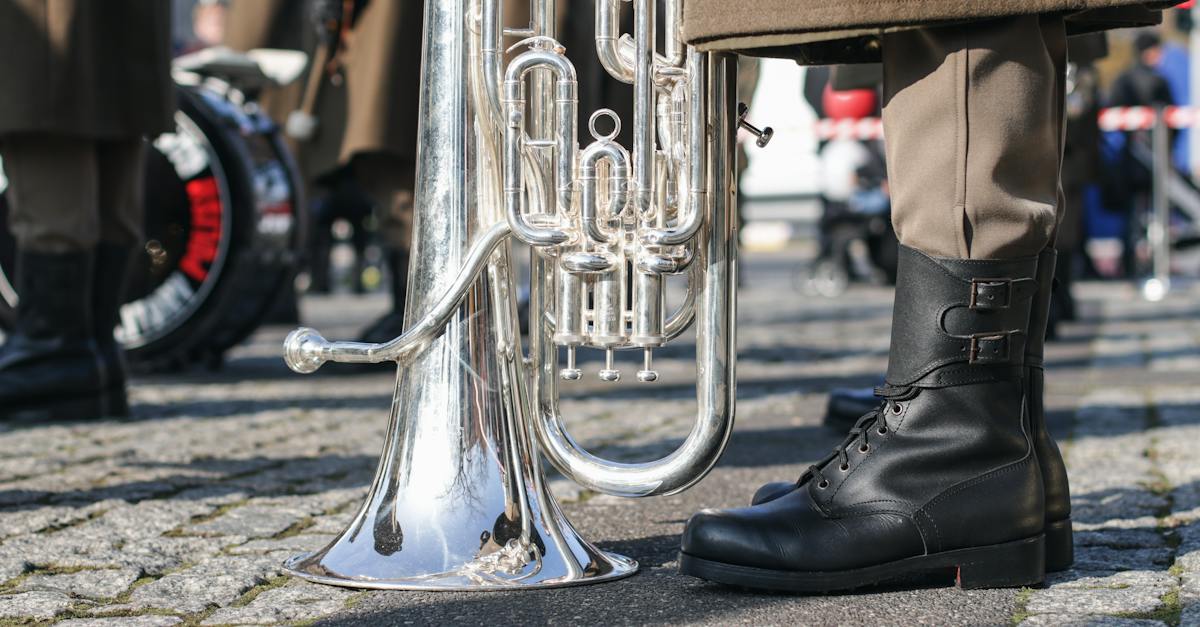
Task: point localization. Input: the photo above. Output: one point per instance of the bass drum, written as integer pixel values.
(224, 235)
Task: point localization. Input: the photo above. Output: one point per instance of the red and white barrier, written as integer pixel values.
(1111, 119)
(862, 128)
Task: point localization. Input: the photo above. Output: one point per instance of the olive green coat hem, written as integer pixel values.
(849, 32)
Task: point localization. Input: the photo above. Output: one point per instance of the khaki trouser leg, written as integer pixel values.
(66, 194)
(973, 115)
(121, 191)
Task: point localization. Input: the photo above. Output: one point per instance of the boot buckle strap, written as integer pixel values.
(999, 293)
(989, 348)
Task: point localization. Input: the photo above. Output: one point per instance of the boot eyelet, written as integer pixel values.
(824, 484)
(896, 409)
(864, 448)
(844, 467)
(882, 430)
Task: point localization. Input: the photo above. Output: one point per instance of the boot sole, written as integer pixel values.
(1060, 546)
(74, 408)
(1007, 565)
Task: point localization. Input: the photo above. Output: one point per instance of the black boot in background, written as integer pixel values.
(50, 368)
(389, 326)
(1060, 548)
(108, 294)
(942, 477)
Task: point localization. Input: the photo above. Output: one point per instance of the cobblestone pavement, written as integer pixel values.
(182, 515)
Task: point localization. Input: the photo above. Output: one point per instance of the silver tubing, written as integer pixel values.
(608, 315)
(569, 331)
(565, 134)
(697, 162)
(609, 41)
(643, 108)
(673, 39)
(618, 186)
(649, 302)
(490, 50)
(305, 351)
(715, 339)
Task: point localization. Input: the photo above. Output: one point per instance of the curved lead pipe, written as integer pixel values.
(305, 350)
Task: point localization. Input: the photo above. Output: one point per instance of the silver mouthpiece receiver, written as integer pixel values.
(305, 350)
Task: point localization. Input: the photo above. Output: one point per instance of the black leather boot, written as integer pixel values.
(941, 478)
(391, 325)
(108, 294)
(50, 368)
(1060, 546)
(845, 407)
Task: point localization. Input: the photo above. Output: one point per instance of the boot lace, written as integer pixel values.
(872, 421)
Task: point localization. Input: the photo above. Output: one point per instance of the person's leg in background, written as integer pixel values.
(944, 472)
(121, 195)
(50, 367)
(388, 180)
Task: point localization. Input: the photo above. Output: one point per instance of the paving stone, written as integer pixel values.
(252, 521)
(1121, 538)
(158, 555)
(1069, 620)
(295, 602)
(293, 544)
(12, 567)
(192, 593)
(122, 621)
(1104, 558)
(90, 584)
(1130, 592)
(39, 605)
(1190, 615)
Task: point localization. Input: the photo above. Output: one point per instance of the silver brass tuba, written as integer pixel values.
(459, 500)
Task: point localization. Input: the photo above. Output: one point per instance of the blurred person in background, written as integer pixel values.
(354, 121)
(1140, 85)
(83, 83)
(953, 470)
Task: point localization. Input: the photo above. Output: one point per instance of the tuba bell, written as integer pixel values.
(459, 501)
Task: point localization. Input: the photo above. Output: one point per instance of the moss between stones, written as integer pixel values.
(1169, 612)
(1022, 601)
(221, 510)
(252, 593)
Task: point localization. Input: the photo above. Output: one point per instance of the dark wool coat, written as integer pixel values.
(847, 31)
(85, 68)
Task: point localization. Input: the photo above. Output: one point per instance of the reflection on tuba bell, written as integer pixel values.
(459, 500)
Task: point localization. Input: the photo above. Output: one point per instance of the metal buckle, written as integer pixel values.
(976, 283)
(1002, 336)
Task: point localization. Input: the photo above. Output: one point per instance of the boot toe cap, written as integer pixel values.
(772, 491)
(731, 537)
